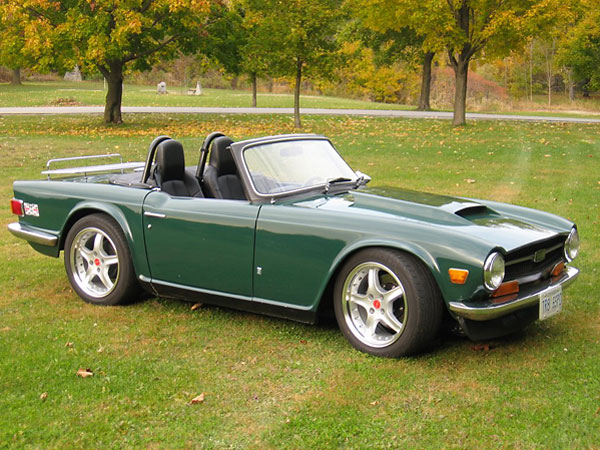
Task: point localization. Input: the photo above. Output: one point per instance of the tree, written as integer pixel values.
(233, 39)
(296, 38)
(12, 36)
(579, 48)
(467, 28)
(377, 16)
(111, 36)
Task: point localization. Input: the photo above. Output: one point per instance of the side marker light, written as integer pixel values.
(458, 276)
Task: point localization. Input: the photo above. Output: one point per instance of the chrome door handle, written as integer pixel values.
(152, 214)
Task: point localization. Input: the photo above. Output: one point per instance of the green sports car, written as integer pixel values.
(281, 225)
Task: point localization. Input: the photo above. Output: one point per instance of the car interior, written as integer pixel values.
(165, 168)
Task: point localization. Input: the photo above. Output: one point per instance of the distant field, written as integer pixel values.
(88, 93)
(275, 384)
(91, 93)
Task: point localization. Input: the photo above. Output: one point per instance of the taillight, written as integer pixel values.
(16, 207)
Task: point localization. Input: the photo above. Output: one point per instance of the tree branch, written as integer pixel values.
(103, 70)
(133, 56)
(452, 59)
(146, 5)
(40, 15)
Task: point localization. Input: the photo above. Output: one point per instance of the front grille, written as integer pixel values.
(521, 264)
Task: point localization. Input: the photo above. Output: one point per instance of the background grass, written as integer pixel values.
(271, 383)
(89, 93)
(93, 93)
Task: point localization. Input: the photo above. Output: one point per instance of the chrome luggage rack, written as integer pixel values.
(85, 170)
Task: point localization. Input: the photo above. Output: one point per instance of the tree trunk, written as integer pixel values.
(114, 80)
(570, 84)
(424, 104)
(297, 123)
(461, 75)
(16, 77)
(253, 76)
(550, 69)
(531, 72)
(585, 88)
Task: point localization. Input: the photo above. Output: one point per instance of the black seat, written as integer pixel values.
(221, 178)
(170, 174)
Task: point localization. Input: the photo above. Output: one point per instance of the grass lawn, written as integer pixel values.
(270, 383)
(92, 93)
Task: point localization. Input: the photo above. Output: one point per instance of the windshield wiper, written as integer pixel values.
(334, 181)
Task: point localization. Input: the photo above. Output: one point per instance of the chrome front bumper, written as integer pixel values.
(487, 310)
(32, 235)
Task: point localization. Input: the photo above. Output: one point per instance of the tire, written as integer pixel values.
(387, 303)
(98, 262)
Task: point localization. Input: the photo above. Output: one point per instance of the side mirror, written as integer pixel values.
(361, 178)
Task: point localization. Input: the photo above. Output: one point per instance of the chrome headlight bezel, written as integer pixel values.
(571, 248)
(493, 271)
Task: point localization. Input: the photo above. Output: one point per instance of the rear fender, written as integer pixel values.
(133, 232)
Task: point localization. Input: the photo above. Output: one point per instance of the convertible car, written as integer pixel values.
(282, 225)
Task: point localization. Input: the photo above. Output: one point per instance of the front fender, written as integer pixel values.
(438, 265)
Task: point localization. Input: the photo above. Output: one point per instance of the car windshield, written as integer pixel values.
(286, 166)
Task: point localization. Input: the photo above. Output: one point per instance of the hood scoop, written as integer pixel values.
(470, 210)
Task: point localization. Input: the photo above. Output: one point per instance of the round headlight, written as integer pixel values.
(572, 245)
(493, 271)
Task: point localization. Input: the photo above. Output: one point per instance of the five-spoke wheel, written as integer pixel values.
(374, 304)
(386, 303)
(97, 261)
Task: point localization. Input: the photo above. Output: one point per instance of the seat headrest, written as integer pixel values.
(221, 157)
(170, 161)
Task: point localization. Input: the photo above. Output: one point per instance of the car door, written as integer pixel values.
(200, 243)
(296, 246)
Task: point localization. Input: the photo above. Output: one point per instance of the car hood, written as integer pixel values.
(497, 224)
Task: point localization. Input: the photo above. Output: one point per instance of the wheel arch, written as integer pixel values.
(134, 236)
(87, 208)
(324, 305)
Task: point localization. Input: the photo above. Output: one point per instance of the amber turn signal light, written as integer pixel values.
(558, 269)
(510, 287)
(458, 276)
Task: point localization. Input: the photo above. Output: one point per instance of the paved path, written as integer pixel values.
(36, 110)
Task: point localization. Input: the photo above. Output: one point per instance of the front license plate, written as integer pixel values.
(551, 303)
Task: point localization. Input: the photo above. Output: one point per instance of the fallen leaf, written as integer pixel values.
(303, 341)
(470, 180)
(44, 396)
(373, 403)
(480, 347)
(197, 399)
(69, 344)
(84, 373)
(547, 156)
(196, 306)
